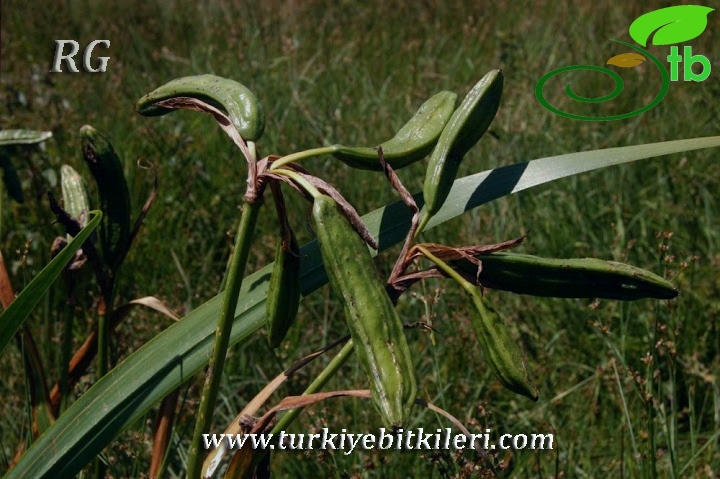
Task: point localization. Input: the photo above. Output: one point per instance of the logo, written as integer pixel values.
(667, 26)
(87, 56)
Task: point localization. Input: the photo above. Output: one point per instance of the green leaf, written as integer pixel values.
(671, 25)
(13, 317)
(128, 392)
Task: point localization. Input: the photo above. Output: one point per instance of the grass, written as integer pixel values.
(620, 383)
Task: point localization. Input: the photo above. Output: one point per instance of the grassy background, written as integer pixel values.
(353, 73)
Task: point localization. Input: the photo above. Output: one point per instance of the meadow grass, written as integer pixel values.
(628, 389)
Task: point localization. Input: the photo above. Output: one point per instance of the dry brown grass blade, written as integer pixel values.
(264, 163)
(470, 253)
(325, 188)
(407, 198)
(293, 402)
(409, 201)
(243, 459)
(163, 431)
(7, 294)
(236, 425)
(289, 181)
(264, 172)
(261, 170)
(399, 282)
(396, 287)
(149, 302)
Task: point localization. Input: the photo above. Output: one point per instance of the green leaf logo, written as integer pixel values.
(670, 25)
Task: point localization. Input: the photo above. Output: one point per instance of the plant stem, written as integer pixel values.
(103, 346)
(305, 184)
(301, 155)
(1, 213)
(466, 285)
(423, 222)
(318, 383)
(222, 332)
(65, 356)
(649, 402)
(102, 369)
(104, 315)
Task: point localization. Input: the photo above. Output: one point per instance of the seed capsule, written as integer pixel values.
(567, 278)
(283, 297)
(413, 141)
(374, 324)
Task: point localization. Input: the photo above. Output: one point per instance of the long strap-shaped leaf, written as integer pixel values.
(173, 356)
(12, 318)
(23, 137)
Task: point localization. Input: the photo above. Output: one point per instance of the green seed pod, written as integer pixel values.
(74, 193)
(502, 354)
(567, 278)
(465, 128)
(374, 324)
(283, 296)
(107, 171)
(413, 141)
(229, 96)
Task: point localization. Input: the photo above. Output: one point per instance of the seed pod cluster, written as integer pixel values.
(413, 141)
(567, 278)
(374, 324)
